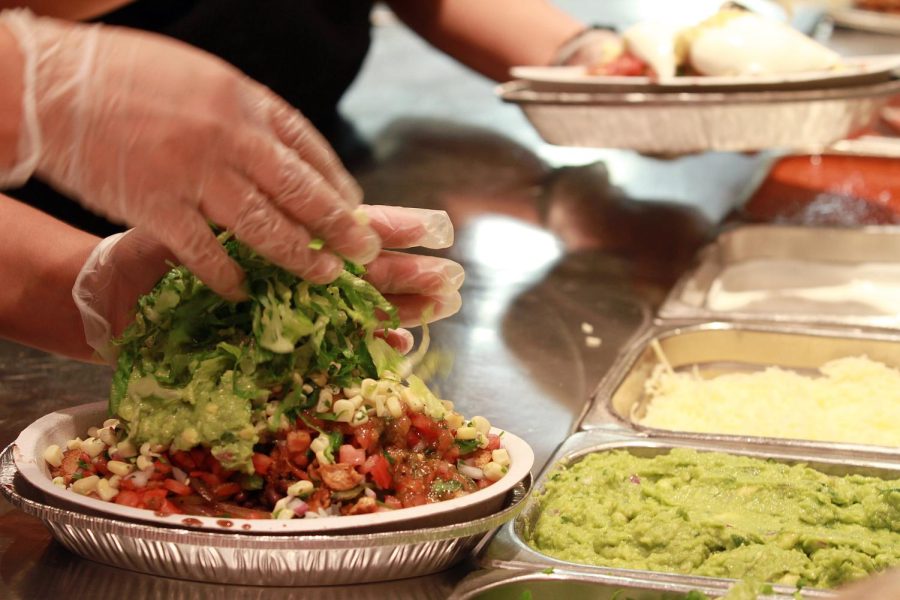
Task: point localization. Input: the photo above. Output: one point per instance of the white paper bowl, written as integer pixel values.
(61, 426)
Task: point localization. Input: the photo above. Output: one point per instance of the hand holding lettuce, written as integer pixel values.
(125, 266)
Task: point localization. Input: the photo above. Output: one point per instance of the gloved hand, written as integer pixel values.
(124, 266)
(591, 47)
(154, 133)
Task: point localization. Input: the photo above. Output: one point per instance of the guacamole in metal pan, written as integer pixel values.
(719, 515)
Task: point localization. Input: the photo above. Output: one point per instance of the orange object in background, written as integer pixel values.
(833, 189)
(829, 190)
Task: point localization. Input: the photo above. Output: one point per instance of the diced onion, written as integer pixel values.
(139, 478)
(471, 472)
(180, 476)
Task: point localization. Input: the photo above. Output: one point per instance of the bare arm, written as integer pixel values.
(40, 258)
(74, 10)
(491, 36)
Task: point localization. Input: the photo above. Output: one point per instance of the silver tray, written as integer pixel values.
(769, 270)
(502, 584)
(257, 559)
(677, 123)
(719, 347)
(509, 551)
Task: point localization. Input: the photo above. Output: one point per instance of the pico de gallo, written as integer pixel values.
(288, 405)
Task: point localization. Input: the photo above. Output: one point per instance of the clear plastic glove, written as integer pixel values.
(124, 266)
(591, 47)
(154, 133)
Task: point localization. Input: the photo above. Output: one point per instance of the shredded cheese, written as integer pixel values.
(855, 400)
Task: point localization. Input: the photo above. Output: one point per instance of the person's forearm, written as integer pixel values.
(40, 258)
(11, 89)
(491, 36)
(67, 9)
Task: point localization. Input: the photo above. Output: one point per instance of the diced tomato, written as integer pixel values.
(184, 460)
(153, 499)
(412, 438)
(226, 490)
(100, 465)
(208, 478)
(378, 467)
(169, 508)
(128, 498)
(214, 465)
(351, 456)
(199, 455)
(452, 454)
(626, 64)
(426, 426)
(392, 502)
(366, 436)
(162, 467)
(261, 463)
(298, 441)
(176, 487)
(493, 442)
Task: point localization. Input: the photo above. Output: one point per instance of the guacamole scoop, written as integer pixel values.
(719, 515)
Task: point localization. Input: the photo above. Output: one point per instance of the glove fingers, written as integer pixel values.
(401, 227)
(399, 339)
(411, 308)
(401, 273)
(306, 197)
(195, 246)
(296, 132)
(259, 224)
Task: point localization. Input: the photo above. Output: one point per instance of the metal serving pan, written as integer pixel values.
(508, 549)
(515, 585)
(675, 123)
(721, 347)
(794, 274)
(270, 560)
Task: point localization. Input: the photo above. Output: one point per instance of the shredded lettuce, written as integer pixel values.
(189, 355)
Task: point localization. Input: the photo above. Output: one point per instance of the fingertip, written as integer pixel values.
(369, 246)
(438, 229)
(324, 269)
(448, 305)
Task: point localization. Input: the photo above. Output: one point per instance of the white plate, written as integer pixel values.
(854, 70)
(61, 426)
(867, 20)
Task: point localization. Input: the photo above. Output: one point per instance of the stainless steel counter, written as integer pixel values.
(550, 239)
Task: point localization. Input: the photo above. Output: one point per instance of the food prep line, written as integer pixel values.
(547, 253)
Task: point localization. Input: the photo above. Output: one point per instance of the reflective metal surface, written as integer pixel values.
(514, 585)
(795, 275)
(723, 347)
(550, 237)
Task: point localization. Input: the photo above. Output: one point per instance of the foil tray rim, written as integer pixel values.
(518, 92)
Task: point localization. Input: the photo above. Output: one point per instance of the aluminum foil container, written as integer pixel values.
(680, 123)
(728, 347)
(778, 273)
(508, 549)
(502, 584)
(271, 560)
